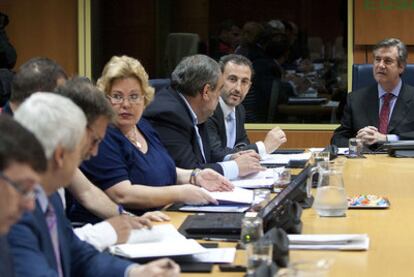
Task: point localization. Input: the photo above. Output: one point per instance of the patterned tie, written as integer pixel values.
(385, 113)
(231, 130)
(53, 231)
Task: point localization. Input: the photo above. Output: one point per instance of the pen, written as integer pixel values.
(221, 239)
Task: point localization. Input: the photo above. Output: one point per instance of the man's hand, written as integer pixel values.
(192, 195)
(123, 224)
(156, 216)
(274, 139)
(213, 181)
(248, 163)
(157, 268)
(370, 135)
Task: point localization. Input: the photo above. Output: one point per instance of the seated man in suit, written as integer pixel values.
(385, 111)
(19, 172)
(179, 114)
(226, 126)
(43, 242)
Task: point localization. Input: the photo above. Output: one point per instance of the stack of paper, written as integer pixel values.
(237, 196)
(262, 179)
(160, 241)
(329, 242)
(284, 158)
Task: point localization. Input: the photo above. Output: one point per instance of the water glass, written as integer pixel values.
(282, 178)
(251, 229)
(307, 268)
(260, 199)
(355, 147)
(257, 253)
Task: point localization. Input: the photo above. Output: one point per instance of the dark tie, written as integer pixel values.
(385, 113)
(53, 231)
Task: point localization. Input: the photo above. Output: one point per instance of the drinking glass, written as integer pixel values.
(251, 229)
(281, 177)
(355, 147)
(257, 253)
(260, 199)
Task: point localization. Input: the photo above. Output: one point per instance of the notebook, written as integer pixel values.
(228, 226)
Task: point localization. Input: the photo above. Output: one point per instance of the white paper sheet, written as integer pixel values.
(284, 158)
(155, 234)
(262, 179)
(329, 242)
(216, 255)
(238, 195)
(158, 249)
(216, 209)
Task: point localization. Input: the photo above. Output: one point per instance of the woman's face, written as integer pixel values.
(127, 100)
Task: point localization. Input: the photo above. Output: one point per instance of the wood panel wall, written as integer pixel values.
(44, 28)
(297, 139)
(375, 20)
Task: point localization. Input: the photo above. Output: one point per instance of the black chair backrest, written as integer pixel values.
(362, 75)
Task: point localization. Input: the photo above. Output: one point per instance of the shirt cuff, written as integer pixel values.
(261, 148)
(227, 157)
(100, 236)
(230, 169)
(392, 138)
(129, 268)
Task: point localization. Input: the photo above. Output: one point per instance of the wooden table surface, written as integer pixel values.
(391, 231)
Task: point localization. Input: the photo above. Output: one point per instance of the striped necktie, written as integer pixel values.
(385, 113)
(53, 231)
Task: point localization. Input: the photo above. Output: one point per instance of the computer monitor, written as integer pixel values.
(275, 207)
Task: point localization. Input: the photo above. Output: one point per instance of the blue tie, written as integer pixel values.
(231, 130)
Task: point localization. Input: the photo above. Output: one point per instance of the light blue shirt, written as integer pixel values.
(396, 93)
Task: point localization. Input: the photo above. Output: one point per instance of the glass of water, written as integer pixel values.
(355, 147)
(260, 199)
(258, 253)
(281, 177)
(251, 229)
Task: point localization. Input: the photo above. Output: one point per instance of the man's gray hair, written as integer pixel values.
(193, 73)
(394, 42)
(54, 120)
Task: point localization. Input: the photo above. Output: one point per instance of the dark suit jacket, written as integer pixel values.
(171, 117)
(6, 263)
(32, 250)
(217, 131)
(362, 109)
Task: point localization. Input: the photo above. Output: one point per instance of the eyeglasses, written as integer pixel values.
(244, 82)
(387, 61)
(132, 99)
(25, 193)
(96, 140)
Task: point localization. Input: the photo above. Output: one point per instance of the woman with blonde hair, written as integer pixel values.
(132, 165)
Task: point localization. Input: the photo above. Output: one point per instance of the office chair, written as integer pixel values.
(362, 75)
(159, 84)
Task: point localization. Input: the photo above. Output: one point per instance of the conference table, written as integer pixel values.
(391, 231)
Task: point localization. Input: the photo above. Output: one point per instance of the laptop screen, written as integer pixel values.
(285, 194)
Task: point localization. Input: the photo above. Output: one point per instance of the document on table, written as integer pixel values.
(341, 150)
(236, 196)
(284, 158)
(262, 179)
(212, 255)
(216, 209)
(160, 241)
(329, 242)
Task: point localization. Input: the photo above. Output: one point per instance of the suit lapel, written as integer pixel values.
(372, 106)
(239, 124)
(46, 241)
(221, 125)
(400, 109)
